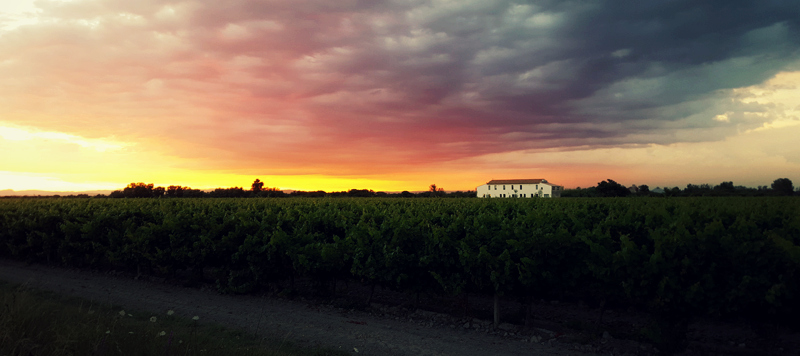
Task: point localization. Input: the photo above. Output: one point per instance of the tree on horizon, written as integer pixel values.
(257, 185)
(783, 186)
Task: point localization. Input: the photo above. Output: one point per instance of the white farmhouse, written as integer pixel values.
(519, 188)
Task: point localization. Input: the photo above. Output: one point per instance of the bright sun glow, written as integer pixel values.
(22, 181)
(97, 94)
(782, 93)
(17, 134)
(15, 13)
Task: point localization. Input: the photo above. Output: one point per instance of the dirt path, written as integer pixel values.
(298, 321)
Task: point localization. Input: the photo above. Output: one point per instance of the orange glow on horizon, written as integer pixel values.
(96, 95)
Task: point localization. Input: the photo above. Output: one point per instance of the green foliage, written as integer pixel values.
(719, 257)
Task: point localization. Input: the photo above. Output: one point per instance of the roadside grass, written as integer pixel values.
(35, 322)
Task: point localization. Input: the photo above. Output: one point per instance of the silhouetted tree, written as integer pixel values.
(257, 185)
(235, 192)
(672, 192)
(726, 188)
(693, 190)
(610, 188)
(174, 191)
(158, 192)
(362, 193)
(435, 191)
(138, 190)
(783, 186)
(271, 192)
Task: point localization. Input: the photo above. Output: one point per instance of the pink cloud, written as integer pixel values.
(353, 87)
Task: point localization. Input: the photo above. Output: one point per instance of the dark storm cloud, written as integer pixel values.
(501, 67)
(459, 78)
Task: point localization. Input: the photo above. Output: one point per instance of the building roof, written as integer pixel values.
(519, 181)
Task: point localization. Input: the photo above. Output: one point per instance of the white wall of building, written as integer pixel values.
(542, 190)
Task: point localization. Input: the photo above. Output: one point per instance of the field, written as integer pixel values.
(726, 258)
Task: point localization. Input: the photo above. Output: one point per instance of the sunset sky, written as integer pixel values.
(397, 95)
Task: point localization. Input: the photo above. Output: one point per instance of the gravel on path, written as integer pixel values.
(304, 323)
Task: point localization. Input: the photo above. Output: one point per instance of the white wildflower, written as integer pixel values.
(162, 333)
(355, 349)
(121, 313)
(195, 318)
(170, 312)
(108, 331)
(152, 319)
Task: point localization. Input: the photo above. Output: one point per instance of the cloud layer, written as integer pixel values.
(367, 87)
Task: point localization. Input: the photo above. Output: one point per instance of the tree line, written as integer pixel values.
(610, 188)
(257, 190)
(606, 188)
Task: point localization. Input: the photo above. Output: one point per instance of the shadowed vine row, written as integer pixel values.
(677, 258)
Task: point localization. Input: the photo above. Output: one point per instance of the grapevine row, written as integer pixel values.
(676, 257)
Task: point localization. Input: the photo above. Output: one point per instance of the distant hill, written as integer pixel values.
(15, 193)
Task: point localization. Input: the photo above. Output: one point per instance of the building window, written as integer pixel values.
(504, 187)
(547, 195)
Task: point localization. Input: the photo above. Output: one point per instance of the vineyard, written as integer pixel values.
(674, 257)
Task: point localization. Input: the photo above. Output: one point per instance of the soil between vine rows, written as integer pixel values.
(393, 325)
